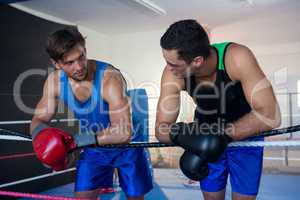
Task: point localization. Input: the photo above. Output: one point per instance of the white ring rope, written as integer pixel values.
(279, 143)
(29, 121)
(54, 173)
(282, 143)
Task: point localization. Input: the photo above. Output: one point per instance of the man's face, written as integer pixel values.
(74, 63)
(178, 67)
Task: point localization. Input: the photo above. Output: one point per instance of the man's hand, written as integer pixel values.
(193, 166)
(53, 146)
(209, 143)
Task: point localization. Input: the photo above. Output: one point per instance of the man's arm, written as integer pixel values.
(51, 145)
(265, 115)
(114, 92)
(45, 109)
(168, 105)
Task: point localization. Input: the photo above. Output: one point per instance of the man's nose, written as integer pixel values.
(77, 65)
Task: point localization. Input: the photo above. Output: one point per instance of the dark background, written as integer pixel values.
(22, 48)
(22, 41)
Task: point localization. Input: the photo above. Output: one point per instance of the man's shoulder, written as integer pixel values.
(111, 72)
(52, 82)
(237, 49)
(54, 76)
(101, 64)
(238, 58)
(113, 77)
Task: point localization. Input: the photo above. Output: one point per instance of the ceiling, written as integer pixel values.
(113, 17)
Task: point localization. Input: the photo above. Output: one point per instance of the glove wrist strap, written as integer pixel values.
(85, 139)
(38, 129)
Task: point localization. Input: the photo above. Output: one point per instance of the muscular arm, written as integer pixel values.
(45, 109)
(265, 115)
(168, 105)
(114, 92)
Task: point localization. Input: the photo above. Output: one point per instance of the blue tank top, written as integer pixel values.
(93, 114)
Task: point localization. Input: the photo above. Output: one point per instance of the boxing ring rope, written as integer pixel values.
(37, 196)
(282, 143)
(274, 132)
(29, 121)
(286, 143)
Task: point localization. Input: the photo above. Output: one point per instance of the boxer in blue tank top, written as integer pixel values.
(96, 93)
(95, 166)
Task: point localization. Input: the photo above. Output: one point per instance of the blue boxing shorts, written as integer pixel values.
(96, 165)
(243, 164)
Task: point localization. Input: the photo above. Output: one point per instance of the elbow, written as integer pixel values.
(162, 131)
(126, 137)
(277, 120)
(158, 136)
(162, 136)
(277, 117)
(273, 119)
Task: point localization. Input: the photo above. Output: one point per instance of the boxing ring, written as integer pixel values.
(18, 155)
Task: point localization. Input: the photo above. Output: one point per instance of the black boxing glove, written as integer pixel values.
(193, 166)
(209, 143)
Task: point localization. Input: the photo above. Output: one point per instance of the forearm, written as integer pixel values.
(251, 124)
(162, 132)
(35, 122)
(114, 135)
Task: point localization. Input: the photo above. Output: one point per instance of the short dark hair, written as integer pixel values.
(62, 41)
(188, 37)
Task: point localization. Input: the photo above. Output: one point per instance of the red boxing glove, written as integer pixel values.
(52, 146)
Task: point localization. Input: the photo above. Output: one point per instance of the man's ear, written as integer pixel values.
(55, 63)
(197, 61)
